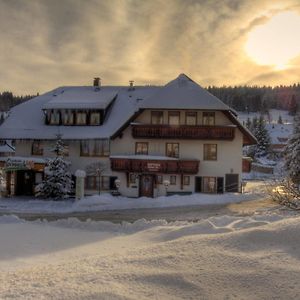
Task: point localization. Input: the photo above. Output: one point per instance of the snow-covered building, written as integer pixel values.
(177, 138)
(279, 134)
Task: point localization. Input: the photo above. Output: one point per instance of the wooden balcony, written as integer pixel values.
(183, 132)
(155, 166)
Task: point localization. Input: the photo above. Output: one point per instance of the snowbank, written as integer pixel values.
(221, 257)
(108, 202)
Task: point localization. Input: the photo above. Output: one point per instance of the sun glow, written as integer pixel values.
(276, 42)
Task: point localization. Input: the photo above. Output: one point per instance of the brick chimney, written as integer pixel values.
(97, 82)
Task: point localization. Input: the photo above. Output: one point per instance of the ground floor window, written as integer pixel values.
(209, 184)
(94, 182)
(173, 179)
(159, 179)
(186, 180)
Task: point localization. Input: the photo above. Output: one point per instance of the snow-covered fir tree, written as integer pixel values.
(292, 152)
(263, 138)
(58, 179)
(258, 128)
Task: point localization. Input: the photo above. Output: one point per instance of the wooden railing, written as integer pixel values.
(155, 166)
(183, 132)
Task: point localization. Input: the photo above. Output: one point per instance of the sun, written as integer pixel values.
(276, 42)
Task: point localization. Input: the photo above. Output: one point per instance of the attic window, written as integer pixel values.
(54, 117)
(81, 118)
(95, 118)
(68, 117)
(208, 118)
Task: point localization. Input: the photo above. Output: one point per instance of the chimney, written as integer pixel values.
(97, 82)
(131, 86)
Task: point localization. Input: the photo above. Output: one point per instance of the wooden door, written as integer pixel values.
(146, 185)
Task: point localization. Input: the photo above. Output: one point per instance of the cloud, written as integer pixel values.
(45, 44)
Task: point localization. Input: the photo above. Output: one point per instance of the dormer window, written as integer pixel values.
(95, 118)
(54, 117)
(80, 118)
(68, 117)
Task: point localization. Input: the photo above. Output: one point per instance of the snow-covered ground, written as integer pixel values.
(272, 117)
(108, 202)
(221, 257)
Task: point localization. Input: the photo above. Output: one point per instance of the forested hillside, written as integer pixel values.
(259, 99)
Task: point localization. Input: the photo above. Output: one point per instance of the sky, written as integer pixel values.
(46, 44)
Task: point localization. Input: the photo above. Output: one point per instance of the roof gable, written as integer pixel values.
(183, 93)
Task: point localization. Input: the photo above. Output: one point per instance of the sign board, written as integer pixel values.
(153, 167)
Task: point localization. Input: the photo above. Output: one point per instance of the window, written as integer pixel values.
(157, 117)
(84, 148)
(210, 152)
(37, 148)
(208, 118)
(54, 117)
(186, 180)
(94, 148)
(173, 179)
(97, 148)
(92, 183)
(68, 117)
(105, 183)
(132, 178)
(141, 148)
(209, 185)
(172, 150)
(191, 118)
(159, 179)
(80, 118)
(174, 117)
(95, 118)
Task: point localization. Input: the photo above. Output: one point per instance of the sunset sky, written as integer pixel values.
(45, 44)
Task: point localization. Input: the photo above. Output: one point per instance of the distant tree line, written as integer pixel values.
(8, 100)
(259, 99)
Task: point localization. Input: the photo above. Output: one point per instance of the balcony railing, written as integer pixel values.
(155, 166)
(183, 132)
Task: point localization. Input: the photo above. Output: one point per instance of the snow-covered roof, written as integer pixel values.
(27, 120)
(81, 97)
(279, 133)
(183, 93)
(7, 147)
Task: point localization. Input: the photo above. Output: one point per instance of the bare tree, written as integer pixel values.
(96, 169)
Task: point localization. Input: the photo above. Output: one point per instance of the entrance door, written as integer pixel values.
(25, 183)
(198, 184)
(232, 183)
(146, 185)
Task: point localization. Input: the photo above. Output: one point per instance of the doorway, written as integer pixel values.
(232, 183)
(146, 185)
(25, 183)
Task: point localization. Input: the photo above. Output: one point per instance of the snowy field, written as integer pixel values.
(222, 257)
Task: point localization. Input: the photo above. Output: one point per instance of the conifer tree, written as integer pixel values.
(58, 180)
(262, 137)
(292, 152)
